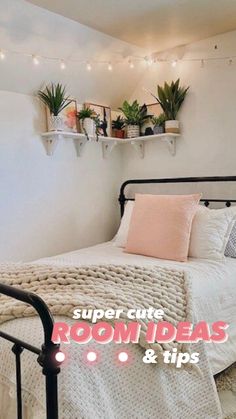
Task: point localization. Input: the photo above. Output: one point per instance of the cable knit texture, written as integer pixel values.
(100, 287)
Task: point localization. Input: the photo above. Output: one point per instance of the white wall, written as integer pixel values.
(208, 118)
(50, 205)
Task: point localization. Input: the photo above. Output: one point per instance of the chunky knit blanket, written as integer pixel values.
(100, 287)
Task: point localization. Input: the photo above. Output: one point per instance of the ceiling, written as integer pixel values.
(155, 25)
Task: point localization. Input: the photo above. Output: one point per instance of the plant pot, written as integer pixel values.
(158, 129)
(119, 133)
(56, 123)
(88, 127)
(172, 126)
(133, 131)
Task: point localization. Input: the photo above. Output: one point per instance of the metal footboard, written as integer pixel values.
(46, 354)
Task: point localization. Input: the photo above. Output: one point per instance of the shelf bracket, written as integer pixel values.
(50, 144)
(139, 147)
(79, 144)
(107, 147)
(171, 143)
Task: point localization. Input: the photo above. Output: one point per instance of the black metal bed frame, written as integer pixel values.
(123, 199)
(46, 354)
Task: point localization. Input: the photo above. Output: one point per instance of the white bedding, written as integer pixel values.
(214, 289)
(136, 391)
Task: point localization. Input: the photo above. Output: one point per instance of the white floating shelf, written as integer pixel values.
(108, 143)
(51, 139)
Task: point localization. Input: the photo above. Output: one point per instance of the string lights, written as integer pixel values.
(131, 64)
(109, 67)
(35, 60)
(2, 55)
(131, 61)
(89, 67)
(62, 65)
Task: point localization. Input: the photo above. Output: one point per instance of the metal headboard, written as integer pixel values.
(123, 198)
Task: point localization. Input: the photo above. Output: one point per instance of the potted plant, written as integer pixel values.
(118, 124)
(135, 116)
(171, 97)
(86, 116)
(55, 98)
(158, 122)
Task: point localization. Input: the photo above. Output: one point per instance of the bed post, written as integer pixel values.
(46, 355)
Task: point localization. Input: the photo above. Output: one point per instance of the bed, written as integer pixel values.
(108, 391)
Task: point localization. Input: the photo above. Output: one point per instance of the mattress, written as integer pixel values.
(213, 286)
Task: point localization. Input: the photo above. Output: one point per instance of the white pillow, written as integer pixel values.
(122, 234)
(210, 232)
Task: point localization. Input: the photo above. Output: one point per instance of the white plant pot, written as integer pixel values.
(133, 131)
(172, 126)
(56, 123)
(88, 126)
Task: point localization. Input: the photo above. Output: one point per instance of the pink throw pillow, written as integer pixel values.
(161, 225)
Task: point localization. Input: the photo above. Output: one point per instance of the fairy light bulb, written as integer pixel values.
(131, 64)
(174, 63)
(109, 67)
(62, 65)
(35, 60)
(89, 67)
(149, 61)
(2, 55)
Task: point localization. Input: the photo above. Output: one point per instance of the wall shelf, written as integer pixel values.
(51, 139)
(108, 143)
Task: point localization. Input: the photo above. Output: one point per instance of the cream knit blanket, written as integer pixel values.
(100, 287)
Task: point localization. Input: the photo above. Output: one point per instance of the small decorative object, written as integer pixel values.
(87, 118)
(135, 116)
(171, 97)
(104, 114)
(56, 100)
(118, 124)
(69, 119)
(148, 131)
(159, 122)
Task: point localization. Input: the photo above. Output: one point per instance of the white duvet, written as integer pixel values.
(108, 391)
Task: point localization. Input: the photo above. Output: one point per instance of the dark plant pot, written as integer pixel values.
(158, 129)
(119, 133)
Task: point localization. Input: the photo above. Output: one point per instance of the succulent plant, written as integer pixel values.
(55, 98)
(171, 97)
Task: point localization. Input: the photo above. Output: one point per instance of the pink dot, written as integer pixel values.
(123, 357)
(60, 356)
(91, 356)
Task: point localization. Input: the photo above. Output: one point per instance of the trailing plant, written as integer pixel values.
(171, 97)
(89, 113)
(86, 113)
(97, 122)
(134, 113)
(55, 98)
(159, 120)
(118, 123)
